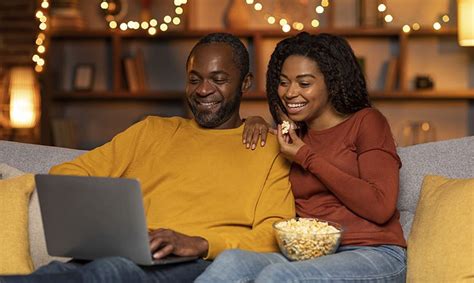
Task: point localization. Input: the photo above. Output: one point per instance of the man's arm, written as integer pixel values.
(108, 160)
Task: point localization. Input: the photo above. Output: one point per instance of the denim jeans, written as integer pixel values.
(349, 264)
(112, 269)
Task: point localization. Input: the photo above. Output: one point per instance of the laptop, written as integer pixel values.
(94, 217)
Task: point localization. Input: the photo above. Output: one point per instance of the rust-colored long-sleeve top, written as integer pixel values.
(349, 174)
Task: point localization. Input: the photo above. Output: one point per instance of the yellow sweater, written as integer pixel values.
(200, 182)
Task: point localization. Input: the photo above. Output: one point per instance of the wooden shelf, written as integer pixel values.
(265, 33)
(467, 94)
(108, 96)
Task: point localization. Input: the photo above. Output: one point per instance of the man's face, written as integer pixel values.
(213, 86)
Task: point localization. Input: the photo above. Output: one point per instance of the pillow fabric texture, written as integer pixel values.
(14, 243)
(441, 241)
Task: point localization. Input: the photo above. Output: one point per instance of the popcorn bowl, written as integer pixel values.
(307, 238)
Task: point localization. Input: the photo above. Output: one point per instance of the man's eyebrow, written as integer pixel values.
(219, 73)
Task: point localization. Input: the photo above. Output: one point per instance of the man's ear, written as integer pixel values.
(247, 82)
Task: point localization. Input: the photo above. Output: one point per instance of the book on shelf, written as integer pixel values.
(391, 74)
(135, 74)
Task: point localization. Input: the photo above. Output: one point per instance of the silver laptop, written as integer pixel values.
(94, 217)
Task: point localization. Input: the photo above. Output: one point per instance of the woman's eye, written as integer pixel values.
(283, 83)
(304, 84)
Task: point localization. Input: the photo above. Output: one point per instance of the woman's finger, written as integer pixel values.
(254, 138)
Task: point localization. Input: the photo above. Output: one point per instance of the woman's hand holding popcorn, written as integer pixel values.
(289, 142)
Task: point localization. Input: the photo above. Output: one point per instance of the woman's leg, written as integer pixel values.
(238, 266)
(349, 264)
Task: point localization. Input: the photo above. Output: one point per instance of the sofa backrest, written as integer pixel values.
(452, 158)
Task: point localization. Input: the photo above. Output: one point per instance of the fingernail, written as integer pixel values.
(262, 143)
(253, 146)
(243, 141)
(248, 145)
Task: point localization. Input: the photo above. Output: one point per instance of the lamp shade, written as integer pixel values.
(24, 98)
(466, 22)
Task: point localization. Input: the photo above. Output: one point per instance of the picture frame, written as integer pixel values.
(83, 77)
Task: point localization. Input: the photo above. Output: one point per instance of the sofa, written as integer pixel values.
(451, 158)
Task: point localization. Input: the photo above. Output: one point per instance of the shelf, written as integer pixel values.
(109, 96)
(265, 33)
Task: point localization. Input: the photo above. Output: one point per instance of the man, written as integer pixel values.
(203, 192)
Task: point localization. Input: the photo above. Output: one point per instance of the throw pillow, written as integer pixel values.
(441, 241)
(14, 244)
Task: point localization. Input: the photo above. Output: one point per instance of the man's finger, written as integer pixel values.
(156, 243)
(166, 250)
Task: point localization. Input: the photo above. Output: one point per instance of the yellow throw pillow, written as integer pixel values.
(14, 244)
(441, 241)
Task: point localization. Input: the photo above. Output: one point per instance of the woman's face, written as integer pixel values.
(302, 89)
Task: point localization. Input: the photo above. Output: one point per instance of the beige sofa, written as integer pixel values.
(452, 158)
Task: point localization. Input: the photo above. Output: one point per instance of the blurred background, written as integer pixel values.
(74, 73)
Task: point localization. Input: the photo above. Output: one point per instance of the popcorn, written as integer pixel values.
(285, 127)
(306, 238)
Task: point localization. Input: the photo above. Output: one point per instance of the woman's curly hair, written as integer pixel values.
(343, 76)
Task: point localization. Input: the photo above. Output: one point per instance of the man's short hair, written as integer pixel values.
(240, 55)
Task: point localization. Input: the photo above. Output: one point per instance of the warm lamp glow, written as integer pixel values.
(24, 98)
(466, 22)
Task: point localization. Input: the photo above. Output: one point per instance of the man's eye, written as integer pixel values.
(220, 81)
(193, 81)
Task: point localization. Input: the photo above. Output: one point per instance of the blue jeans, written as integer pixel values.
(112, 269)
(349, 264)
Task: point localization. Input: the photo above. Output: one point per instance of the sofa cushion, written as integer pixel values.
(14, 244)
(440, 245)
(451, 158)
(38, 250)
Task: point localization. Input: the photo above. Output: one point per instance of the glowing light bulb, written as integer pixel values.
(39, 41)
(41, 49)
(153, 22)
(104, 5)
(315, 23)
(250, 2)
(258, 6)
(45, 5)
(163, 27)
(113, 24)
(406, 28)
(286, 28)
(319, 9)
(382, 8)
(152, 31)
(176, 21)
(145, 25)
(271, 20)
(325, 3)
(39, 14)
(167, 19)
(388, 18)
(437, 26)
(38, 68)
(283, 22)
(178, 10)
(42, 26)
(445, 18)
(123, 26)
(416, 26)
(35, 58)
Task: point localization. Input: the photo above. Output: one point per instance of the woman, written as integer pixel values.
(345, 168)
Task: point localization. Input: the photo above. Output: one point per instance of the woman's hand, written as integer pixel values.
(255, 127)
(289, 143)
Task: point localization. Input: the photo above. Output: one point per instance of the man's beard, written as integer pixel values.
(209, 119)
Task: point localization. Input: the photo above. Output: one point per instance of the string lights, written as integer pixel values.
(415, 26)
(151, 25)
(285, 23)
(40, 42)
